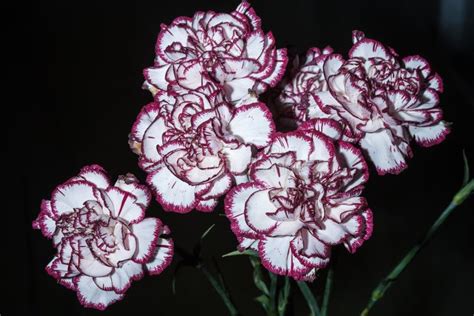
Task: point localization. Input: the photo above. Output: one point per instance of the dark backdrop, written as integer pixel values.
(74, 88)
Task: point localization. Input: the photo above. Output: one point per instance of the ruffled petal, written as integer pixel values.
(234, 206)
(175, 195)
(93, 297)
(238, 159)
(277, 256)
(384, 153)
(70, 195)
(45, 221)
(94, 174)
(428, 136)
(147, 233)
(253, 124)
(163, 255)
(257, 208)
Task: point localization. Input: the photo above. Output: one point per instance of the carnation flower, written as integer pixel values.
(194, 146)
(383, 101)
(103, 239)
(230, 48)
(303, 196)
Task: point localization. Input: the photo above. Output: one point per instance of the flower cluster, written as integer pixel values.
(290, 196)
(103, 239)
(199, 135)
(382, 100)
(303, 196)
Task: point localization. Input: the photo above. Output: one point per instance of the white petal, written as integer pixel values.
(368, 48)
(163, 256)
(147, 233)
(238, 159)
(274, 177)
(332, 65)
(206, 205)
(328, 127)
(292, 142)
(126, 245)
(125, 205)
(238, 89)
(171, 192)
(190, 75)
(156, 76)
(235, 208)
(352, 158)
(89, 264)
(219, 187)
(147, 116)
(277, 72)
(152, 138)
(255, 44)
(122, 277)
(91, 296)
(253, 124)
(323, 147)
(45, 221)
(173, 34)
(70, 195)
(256, 209)
(141, 192)
(430, 135)
(276, 256)
(95, 174)
(333, 233)
(386, 156)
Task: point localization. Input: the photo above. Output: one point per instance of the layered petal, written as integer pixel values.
(253, 124)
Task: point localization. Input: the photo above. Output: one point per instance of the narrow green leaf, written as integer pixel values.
(247, 252)
(207, 231)
(464, 193)
(327, 291)
(259, 283)
(178, 267)
(273, 292)
(173, 285)
(264, 301)
(466, 168)
(283, 297)
(220, 290)
(309, 297)
(258, 276)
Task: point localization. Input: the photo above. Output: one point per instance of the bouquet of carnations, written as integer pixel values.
(286, 143)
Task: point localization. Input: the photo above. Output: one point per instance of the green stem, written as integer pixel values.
(283, 297)
(327, 291)
(383, 286)
(219, 289)
(309, 297)
(193, 260)
(273, 291)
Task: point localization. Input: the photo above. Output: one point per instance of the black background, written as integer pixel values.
(73, 89)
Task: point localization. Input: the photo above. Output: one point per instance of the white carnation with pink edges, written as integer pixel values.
(195, 146)
(229, 48)
(104, 241)
(302, 198)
